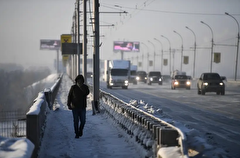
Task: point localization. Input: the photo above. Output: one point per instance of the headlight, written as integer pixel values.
(151, 79)
(176, 83)
(126, 81)
(205, 83)
(137, 78)
(221, 84)
(145, 78)
(188, 82)
(160, 79)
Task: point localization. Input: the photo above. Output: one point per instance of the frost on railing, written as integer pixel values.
(154, 135)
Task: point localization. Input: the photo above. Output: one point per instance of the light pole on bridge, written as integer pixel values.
(154, 54)
(169, 53)
(195, 45)
(211, 46)
(238, 38)
(181, 49)
(161, 54)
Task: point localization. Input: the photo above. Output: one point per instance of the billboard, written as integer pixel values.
(46, 44)
(126, 46)
(71, 48)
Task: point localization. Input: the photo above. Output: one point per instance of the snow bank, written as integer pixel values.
(15, 148)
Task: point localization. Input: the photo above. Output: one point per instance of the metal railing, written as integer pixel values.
(12, 124)
(156, 130)
(30, 124)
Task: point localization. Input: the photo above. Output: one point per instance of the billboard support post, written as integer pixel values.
(48, 44)
(122, 54)
(57, 60)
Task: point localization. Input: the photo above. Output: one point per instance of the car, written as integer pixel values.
(211, 82)
(141, 76)
(181, 81)
(154, 77)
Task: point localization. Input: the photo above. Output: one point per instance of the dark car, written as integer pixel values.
(210, 82)
(181, 81)
(141, 76)
(154, 77)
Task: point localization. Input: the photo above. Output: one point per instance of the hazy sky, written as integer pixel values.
(24, 23)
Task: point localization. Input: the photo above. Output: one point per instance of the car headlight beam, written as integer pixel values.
(205, 83)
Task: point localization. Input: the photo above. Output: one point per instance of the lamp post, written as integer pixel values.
(194, 59)
(212, 45)
(238, 37)
(147, 54)
(74, 41)
(137, 60)
(154, 54)
(78, 36)
(161, 54)
(181, 49)
(169, 53)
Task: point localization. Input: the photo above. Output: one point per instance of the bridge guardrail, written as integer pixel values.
(36, 116)
(151, 132)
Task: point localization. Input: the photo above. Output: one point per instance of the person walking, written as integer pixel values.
(77, 102)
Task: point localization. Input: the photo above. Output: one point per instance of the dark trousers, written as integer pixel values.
(79, 115)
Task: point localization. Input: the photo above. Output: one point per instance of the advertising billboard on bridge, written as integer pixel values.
(46, 44)
(126, 46)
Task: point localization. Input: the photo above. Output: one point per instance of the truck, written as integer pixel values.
(133, 74)
(117, 73)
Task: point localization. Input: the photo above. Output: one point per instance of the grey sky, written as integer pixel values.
(24, 23)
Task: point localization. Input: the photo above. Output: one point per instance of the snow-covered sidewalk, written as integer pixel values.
(101, 137)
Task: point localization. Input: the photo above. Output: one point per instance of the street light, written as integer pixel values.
(194, 60)
(169, 53)
(153, 55)
(147, 54)
(161, 54)
(238, 37)
(212, 44)
(181, 49)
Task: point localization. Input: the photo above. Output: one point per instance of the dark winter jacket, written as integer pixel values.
(77, 96)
